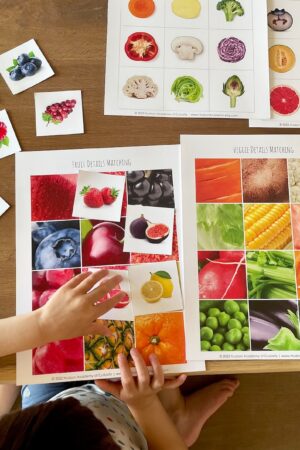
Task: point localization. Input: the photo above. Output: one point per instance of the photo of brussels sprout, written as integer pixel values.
(224, 326)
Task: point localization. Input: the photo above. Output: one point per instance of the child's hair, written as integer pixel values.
(61, 424)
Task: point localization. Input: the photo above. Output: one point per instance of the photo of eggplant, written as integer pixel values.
(274, 325)
(151, 188)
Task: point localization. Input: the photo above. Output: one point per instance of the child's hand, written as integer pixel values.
(142, 391)
(72, 311)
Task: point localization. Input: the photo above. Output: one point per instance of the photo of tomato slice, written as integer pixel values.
(141, 47)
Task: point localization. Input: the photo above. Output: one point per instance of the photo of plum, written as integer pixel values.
(25, 65)
(102, 243)
(151, 188)
(55, 245)
(274, 325)
(155, 233)
(224, 326)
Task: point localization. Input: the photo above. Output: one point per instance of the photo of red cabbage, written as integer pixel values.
(274, 325)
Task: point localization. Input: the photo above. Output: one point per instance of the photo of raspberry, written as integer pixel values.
(4, 140)
(57, 112)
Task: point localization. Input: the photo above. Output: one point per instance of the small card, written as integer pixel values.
(58, 113)
(149, 230)
(155, 288)
(24, 66)
(99, 196)
(8, 141)
(3, 206)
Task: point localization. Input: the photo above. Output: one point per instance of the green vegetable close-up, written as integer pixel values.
(233, 88)
(271, 275)
(187, 89)
(220, 226)
(285, 339)
(226, 325)
(231, 9)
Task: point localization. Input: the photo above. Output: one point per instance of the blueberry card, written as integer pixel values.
(24, 66)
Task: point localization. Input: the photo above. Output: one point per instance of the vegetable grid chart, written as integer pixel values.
(187, 58)
(245, 251)
(117, 213)
(284, 58)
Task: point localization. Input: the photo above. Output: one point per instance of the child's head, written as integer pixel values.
(61, 424)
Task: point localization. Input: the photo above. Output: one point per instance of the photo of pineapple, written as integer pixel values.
(101, 352)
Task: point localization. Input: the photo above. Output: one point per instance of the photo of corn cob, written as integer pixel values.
(267, 226)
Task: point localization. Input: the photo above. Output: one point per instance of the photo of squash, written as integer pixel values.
(162, 334)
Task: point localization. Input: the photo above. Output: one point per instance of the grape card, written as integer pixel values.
(55, 243)
(241, 237)
(187, 58)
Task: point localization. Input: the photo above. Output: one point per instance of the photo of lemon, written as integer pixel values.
(152, 291)
(165, 280)
(282, 58)
(186, 9)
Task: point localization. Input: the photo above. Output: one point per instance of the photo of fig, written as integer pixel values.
(151, 188)
(155, 233)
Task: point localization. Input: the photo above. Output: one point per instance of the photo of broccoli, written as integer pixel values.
(231, 9)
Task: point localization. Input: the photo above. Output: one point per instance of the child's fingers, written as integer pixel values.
(99, 328)
(104, 288)
(126, 375)
(158, 375)
(141, 368)
(109, 386)
(75, 281)
(88, 283)
(173, 384)
(102, 308)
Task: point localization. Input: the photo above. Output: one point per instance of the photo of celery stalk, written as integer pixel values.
(271, 275)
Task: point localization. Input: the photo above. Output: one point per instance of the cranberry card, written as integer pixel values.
(75, 213)
(58, 113)
(24, 66)
(8, 141)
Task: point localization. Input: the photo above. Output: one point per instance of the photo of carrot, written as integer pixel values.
(218, 180)
(296, 226)
(297, 255)
(267, 226)
(141, 8)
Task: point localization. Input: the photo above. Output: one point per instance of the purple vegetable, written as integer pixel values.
(231, 50)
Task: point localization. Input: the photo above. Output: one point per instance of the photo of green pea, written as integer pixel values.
(224, 326)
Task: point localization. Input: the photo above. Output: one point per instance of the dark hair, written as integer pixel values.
(59, 424)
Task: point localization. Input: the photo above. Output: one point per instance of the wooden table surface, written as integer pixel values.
(72, 35)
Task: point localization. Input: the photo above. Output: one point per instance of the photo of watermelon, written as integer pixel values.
(284, 100)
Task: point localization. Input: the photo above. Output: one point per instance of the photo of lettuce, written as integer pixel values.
(220, 227)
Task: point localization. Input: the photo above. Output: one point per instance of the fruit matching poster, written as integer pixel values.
(119, 209)
(187, 58)
(241, 243)
(284, 62)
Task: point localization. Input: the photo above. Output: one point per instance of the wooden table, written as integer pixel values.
(72, 35)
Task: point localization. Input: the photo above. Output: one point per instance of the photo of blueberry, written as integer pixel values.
(16, 74)
(151, 188)
(55, 245)
(26, 65)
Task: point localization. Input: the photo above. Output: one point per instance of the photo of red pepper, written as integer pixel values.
(141, 46)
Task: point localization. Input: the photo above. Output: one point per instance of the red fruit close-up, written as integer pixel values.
(45, 296)
(49, 359)
(3, 130)
(92, 197)
(103, 245)
(52, 197)
(35, 299)
(122, 303)
(109, 195)
(72, 349)
(57, 278)
(39, 281)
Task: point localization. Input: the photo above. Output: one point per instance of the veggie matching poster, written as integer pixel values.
(241, 243)
(187, 58)
(118, 209)
(284, 62)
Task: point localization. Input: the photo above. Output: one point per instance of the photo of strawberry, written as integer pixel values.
(4, 140)
(109, 195)
(92, 197)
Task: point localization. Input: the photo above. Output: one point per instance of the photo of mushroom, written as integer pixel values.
(187, 47)
(265, 180)
(274, 325)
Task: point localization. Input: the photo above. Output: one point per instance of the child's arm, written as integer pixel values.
(71, 312)
(8, 396)
(143, 402)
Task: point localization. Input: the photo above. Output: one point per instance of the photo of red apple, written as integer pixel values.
(103, 245)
